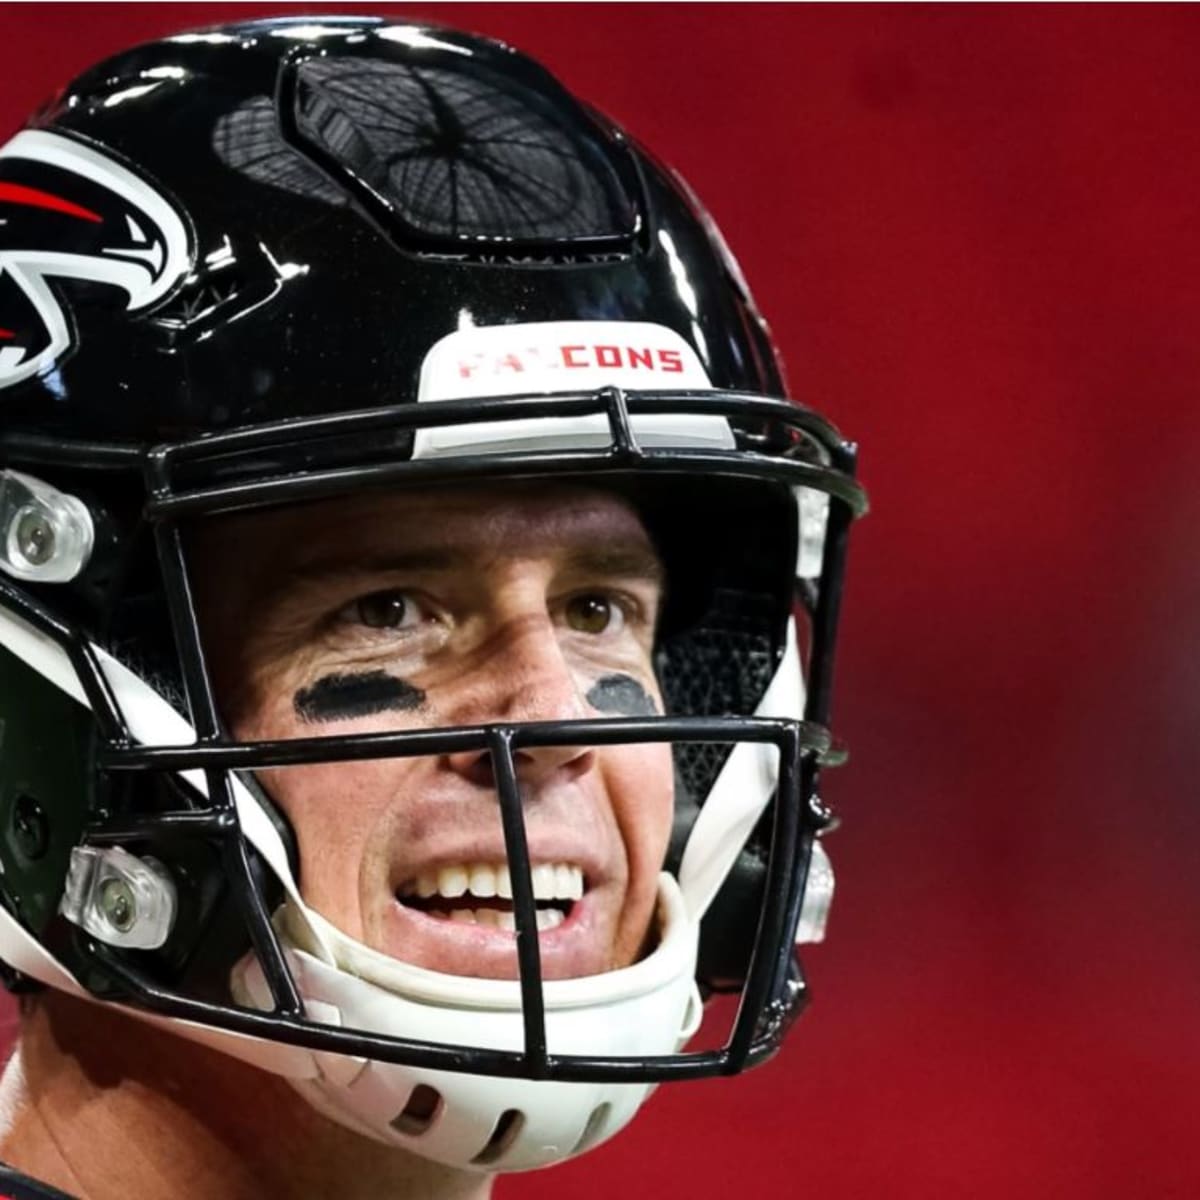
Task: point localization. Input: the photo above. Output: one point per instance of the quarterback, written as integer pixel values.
(417, 610)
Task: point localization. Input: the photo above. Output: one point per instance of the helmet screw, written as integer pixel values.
(823, 817)
(30, 827)
(117, 903)
(35, 536)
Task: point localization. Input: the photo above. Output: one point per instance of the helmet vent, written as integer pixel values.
(510, 1124)
(463, 160)
(247, 140)
(423, 1108)
(594, 1130)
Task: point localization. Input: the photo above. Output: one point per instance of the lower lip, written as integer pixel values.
(572, 917)
(568, 950)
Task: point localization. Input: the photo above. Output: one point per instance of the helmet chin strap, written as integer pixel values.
(480, 1122)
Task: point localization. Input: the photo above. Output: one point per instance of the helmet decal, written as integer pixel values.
(68, 211)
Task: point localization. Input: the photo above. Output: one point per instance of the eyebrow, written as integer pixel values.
(320, 567)
(622, 560)
(626, 561)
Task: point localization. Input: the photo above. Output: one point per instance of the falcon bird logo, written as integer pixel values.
(67, 211)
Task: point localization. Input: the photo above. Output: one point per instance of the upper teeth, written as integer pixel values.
(551, 881)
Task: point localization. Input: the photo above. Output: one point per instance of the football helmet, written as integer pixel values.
(288, 260)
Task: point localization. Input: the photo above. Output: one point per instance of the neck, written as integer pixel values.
(104, 1106)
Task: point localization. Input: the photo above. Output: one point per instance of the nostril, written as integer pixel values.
(532, 765)
(564, 762)
(474, 766)
(482, 772)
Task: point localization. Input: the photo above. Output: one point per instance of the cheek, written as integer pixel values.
(641, 788)
(641, 785)
(336, 812)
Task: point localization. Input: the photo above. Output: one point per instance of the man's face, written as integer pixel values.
(455, 607)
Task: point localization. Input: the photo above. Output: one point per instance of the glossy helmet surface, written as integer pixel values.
(282, 261)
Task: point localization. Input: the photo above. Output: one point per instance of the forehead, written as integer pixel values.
(481, 521)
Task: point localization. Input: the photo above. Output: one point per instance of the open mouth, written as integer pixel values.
(481, 893)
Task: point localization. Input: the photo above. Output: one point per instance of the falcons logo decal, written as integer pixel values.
(69, 212)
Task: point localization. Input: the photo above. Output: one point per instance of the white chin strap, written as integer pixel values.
(477, 1121)
(470, 1121)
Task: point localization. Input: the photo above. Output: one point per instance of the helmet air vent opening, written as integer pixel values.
(508, 1127)
(423, 1108)
(459, 160)
(594, 1130)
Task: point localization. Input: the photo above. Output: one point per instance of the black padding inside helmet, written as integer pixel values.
(721, 667)
(729, 548)
(730, 552)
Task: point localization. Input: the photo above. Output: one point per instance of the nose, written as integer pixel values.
(523, 676)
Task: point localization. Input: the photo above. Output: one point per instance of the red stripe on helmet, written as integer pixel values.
(6, 333)
(16, 193)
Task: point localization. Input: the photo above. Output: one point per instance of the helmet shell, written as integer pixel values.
(353, 191)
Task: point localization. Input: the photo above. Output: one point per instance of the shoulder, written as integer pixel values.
(15, 1186)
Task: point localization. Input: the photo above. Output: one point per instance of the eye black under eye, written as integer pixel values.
(382, 610)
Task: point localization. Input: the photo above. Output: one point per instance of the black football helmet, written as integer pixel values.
(287, 260)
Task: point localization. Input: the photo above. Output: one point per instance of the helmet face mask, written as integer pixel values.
(575, 366)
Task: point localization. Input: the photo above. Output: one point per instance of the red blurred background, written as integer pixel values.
(975, 231)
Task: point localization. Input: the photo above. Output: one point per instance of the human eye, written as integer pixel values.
(387, 609)
(596, 613)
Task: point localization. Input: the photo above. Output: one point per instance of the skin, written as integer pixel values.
(489, 588)
(505, 592)
(106, 1107)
